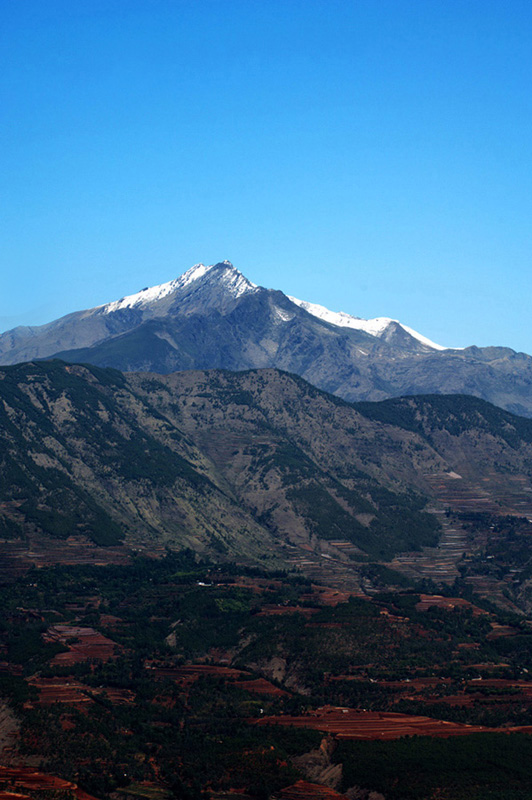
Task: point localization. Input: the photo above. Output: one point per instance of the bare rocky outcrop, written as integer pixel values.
(9, 733)
(317, 766)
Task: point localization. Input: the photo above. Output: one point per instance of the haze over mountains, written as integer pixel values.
(213, 317)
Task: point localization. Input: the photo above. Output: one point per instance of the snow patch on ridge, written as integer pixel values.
(236, 283)
(375, 327)
(232, 280)
(424, 340)
(282, 315)
(154, 293)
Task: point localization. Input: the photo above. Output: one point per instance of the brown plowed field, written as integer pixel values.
(500, 631)
(261, 686)
(19, 555)
(347, 723)
(303, 790)
(275, 611)
(14, 796)
(15, 778)
(90, 645)
(186, 675)
(68, 690)
(429, 600)
(497, 495)
(525, 687)
(60, 690)
(326, 596)
(194, 671)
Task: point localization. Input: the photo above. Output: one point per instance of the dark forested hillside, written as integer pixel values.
(256, 465)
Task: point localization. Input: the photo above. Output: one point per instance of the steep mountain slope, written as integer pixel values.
(75, 461)
(487, 448)
(213, 317)
(254, 465)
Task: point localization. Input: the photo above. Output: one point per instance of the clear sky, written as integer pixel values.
(370, 155)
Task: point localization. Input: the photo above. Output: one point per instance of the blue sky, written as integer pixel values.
(369, 155)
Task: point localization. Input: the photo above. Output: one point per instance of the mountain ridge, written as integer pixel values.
(212, 317)
(233, 284)
(257, 465)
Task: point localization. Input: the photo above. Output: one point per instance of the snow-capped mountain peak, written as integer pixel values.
(223, 273)
(375, 327)
(224, 277)
(212, 317)
(232, 280)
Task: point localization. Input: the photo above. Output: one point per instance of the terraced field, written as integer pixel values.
(440, 563)
(304, 790)
(349, 723)
(18, 555)
(185, 676)
(83, 644)
(175, 668)
(15, 779)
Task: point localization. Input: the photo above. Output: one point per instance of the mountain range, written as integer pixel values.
(255, 465)
(214, 317)
(264, 505)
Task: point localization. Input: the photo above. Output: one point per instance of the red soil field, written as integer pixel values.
(302, 790)
(110, 621)
(258, 585)
(261, 686)
(6, 668)
(475, 695)
(392, 617)
(18, 555)
(325, 596)
(411, 685)
(193, 670)
(497, 496)
(26, 778)
(525, 687)
(347, 723)
(68, 690)
(90, 645)
(428, 600)
(60, 690)
(14, 796)
(186, 675)
(457, 700)
(500, 631)
(274, 611)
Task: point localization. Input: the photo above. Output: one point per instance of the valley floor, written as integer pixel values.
(177, 678)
